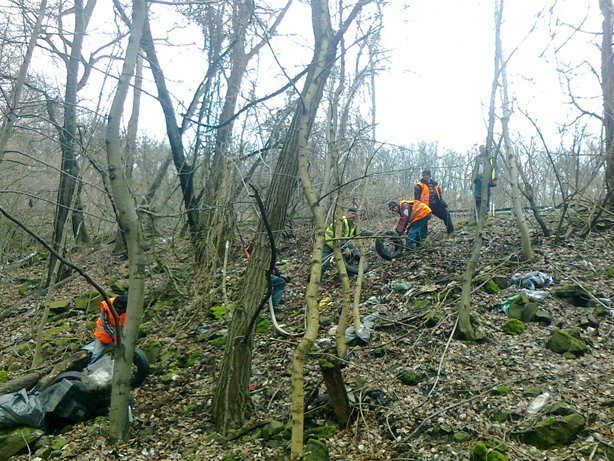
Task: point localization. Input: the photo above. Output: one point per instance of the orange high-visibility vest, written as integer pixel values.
(425, 193)
(418, 210)
(99, 331)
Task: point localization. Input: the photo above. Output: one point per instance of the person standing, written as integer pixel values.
(477, 178)
(413, 219)
(427, 191)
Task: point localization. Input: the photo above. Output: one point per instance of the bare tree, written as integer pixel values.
(14, 97)
(131, 227)
(67, 202)
(607, 86)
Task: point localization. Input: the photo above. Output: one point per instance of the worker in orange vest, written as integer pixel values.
(414, 218)
(427, 191)
(105, 326)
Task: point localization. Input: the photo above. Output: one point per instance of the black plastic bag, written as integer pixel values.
(21, 409)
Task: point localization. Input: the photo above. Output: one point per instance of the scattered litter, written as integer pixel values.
(98, 376)
(538, 403)
(532, 280)
(397, 285)
(534, 295)
(21, 409)
(363, 335)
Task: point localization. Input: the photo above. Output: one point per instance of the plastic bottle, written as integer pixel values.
(538, 403)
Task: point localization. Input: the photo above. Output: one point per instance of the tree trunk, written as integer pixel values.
(69, 169)
(335, 387)
(465, 329)
(14, 99)
(525, 237)
(185, 170)
(129, 222)
(527, 191)
(607, 86)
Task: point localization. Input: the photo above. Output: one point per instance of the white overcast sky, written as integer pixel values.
(437, 81)
(438, 84)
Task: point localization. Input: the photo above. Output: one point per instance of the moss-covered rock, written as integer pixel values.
(4, 376)
(524, 312)
(491, 287)
(217, 342)
(554, 431)
(88, 301)
(119, 286)
(59, 307)
(513, 326)
(272, 429)
(500, 390)
(460, 437)
(609, 272)
(410, 378)
(502, 281)
(574, 294)
(562, 342)
(315, 450)
(321, 432)
(560, 409)
(481, 452)
(542, 316)
(15, 439)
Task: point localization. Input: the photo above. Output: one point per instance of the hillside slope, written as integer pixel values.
(418, 393)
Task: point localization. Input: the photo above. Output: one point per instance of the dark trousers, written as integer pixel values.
(477, 193)
(417, 232)
(442, 213)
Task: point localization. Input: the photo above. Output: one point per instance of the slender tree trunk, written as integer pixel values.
(525, 236)
(129, 222)
(69, 169)
(185, 170)
(527, 191)
(133, 126)
(465, 329)
(607, 86)
(14, 99)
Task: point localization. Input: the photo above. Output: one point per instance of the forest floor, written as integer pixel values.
(442, 416)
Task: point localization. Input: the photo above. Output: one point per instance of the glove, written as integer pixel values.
(286, 278)
(493, 183)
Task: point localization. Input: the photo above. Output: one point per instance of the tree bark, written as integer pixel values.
(525, 237)
(14, 99)
(335, 387)
(607, 86)
(69, 168)
(129, 222)
(185, 170)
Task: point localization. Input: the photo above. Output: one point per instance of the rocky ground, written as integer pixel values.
(418, 394)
